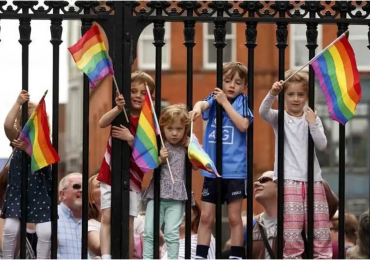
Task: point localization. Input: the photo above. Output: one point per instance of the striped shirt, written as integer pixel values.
(193, 248)
(136, 175)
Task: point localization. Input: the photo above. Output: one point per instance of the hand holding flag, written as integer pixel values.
(198, 157)
(36, 134)
(336, 69)
(91, 56)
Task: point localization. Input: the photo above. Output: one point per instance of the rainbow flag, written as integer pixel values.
(199, 158)
(36, 133)
(91, 56)
(339, 80)
(145, 150)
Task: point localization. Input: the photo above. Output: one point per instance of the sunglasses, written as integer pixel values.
(76, 186)
(264, 179)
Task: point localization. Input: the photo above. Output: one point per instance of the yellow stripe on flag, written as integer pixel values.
(342, 81)
(89, 54)
(148, 130)
(37, 152)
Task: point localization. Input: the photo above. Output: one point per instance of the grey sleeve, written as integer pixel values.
(266, 112)
(318, 135)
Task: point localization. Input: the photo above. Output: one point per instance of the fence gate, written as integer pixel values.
(123, 22)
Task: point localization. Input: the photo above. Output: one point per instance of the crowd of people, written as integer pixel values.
(174, 124)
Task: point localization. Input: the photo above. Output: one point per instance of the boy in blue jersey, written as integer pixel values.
(236, 118)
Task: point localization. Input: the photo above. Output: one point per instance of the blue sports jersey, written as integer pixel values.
(234, 149)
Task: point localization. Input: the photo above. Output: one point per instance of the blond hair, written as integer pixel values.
(142, 77)
(233, 67)
(299, 78)
(172, 113)
(18, 120)
(93, 212)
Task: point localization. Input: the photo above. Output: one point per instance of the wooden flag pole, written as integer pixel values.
(317, 55)
(124, 110)
(191, 131)
(160, 134)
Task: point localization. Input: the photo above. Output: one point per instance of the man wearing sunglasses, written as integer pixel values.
(70, 213)
(265, 228)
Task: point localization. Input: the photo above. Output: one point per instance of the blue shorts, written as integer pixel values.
(232, 189)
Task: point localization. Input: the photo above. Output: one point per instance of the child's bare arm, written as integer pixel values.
(10, 131)
(108, 117)
(198, 108)
(239, 121)
(242, 123)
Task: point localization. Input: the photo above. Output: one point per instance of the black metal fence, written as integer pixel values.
(123, 23)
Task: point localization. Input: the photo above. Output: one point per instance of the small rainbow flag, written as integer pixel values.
(339, 80)
(199, 158)
(91, 56)
(36, 133)
(145, 150)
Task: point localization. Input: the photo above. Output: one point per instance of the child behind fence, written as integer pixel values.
(298, 120)
(139, 81)
(236, 118)
(174, 124)
(38, 190)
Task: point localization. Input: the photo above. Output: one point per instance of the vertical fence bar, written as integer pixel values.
(311, 35)
(342, 27)
(189, 34)
(281, 36)
(85, 26)
(251, 36)
(125, 149)
(368, 46)
(220, 34)
(115, 34)
(158, 33)
(24, 40)
(56, 30)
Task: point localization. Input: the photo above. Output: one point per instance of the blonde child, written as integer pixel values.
(297, 122)
(139, 79)
(174, 124)
(236, 118)
(38, 190)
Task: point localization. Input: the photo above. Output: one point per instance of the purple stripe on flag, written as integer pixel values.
(320, 77)
(140, 162)
(103, 74)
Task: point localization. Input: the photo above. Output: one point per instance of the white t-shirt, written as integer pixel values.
(93, 225)
(139, 225)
